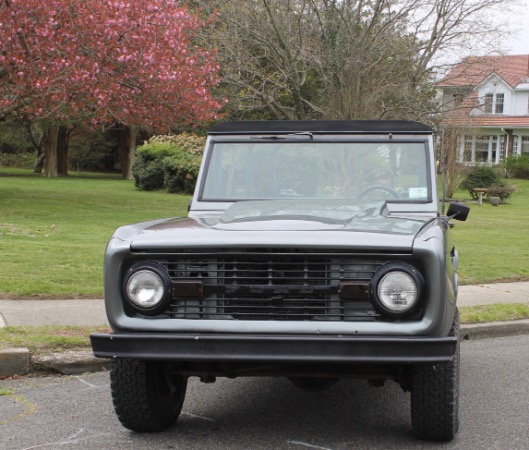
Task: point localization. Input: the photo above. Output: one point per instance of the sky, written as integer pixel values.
(519, 44)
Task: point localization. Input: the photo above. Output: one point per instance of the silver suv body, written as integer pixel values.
(313, 250)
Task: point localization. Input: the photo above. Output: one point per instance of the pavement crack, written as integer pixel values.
(87, 383)
(198, 417)
(71, 440)
(304, 444)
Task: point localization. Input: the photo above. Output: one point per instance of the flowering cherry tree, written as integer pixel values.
(104, 62)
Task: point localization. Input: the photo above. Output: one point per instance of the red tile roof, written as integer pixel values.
(489, 121)
(503, 121)
(474, 69)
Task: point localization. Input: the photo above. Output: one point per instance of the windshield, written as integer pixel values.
(312, 169)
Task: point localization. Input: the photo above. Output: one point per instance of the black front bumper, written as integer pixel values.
(228, 348)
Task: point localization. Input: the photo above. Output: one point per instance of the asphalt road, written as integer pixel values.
(76, 412)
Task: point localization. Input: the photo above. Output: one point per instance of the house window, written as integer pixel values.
(525, 145)
(467, 149)
(503, 141)
(482, 149)
(487, 105)
(498, 109)
(493, 103)
(459, 97)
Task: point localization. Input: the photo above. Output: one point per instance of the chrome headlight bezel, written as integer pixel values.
(155, 279)
(407, 293)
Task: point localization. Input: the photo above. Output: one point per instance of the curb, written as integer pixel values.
(20, 361)
(14, 361)
(69, 362)
(494, 330)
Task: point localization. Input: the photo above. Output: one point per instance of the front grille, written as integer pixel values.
(250, 285)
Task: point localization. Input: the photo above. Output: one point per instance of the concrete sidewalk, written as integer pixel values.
(85, 312)
(488, 294)
(82, 312)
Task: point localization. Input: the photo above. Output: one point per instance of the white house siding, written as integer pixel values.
(521, 104)
(495, 85)
(488, 134)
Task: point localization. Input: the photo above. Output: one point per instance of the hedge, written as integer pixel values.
(20, 160)
(170, 162)
(517, 166)
(481, 177)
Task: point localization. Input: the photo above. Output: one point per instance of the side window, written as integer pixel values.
(493, 103)
(487, 104)
(498, 109)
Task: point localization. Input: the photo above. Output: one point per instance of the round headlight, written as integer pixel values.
(147, 287)
(397, 289)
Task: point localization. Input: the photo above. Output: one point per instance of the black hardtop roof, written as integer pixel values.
(322, 127)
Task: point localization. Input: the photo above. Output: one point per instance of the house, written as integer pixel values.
(486, 99)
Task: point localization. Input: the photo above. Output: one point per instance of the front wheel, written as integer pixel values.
(435, 397)
(148, 396)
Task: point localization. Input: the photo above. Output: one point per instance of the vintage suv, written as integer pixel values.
(313, 250)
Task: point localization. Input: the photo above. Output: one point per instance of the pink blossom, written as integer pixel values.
(106, 60)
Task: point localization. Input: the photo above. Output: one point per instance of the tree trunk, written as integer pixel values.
(39, 162)
(123, 146)
(127, 150)
(51, 136)
(39, 146)
(63, 142)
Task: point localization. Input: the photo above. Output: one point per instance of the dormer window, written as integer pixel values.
(488, 103)
(493, 103)
(498, 107)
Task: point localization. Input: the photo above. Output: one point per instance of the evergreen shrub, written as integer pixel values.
(482, 177)
(517, 166)
(147, 173)
(503, 192)
(170, 162)
(20, 160)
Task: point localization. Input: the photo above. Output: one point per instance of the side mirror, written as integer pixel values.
(458, 211)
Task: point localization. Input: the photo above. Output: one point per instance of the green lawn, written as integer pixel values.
(494, 242)
(53, 232)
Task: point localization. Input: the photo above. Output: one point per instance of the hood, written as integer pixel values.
(290, 223)
(296, 215)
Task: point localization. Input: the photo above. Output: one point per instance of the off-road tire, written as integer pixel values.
(147, 396)
(435, 397)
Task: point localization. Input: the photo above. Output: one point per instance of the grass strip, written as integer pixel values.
(45, 339)
(48, 339)
(494, 313)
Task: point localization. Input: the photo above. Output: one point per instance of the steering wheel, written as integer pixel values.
(378, 187)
